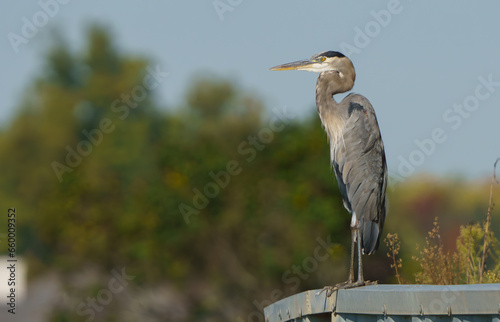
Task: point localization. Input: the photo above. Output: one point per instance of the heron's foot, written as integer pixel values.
(342, 286)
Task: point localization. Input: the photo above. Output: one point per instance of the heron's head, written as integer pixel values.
(332, 64)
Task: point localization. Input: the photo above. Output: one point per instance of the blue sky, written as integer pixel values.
(430, 69)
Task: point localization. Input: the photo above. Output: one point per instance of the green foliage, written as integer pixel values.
(445, 267)
(438, 266)
(119, 206)
(394, 246)
(470, 248)
(475, 260)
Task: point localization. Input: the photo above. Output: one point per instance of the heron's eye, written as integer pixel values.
(322, 58)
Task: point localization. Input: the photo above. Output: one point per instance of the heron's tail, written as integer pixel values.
(370, 236)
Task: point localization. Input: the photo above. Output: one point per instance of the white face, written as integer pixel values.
(317, 67)
(316, 64)
(321, 64)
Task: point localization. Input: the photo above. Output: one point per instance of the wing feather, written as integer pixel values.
(358, 158)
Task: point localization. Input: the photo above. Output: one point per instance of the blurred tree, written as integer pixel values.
(101, 175)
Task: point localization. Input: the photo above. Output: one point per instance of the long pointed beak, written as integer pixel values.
(296, 65)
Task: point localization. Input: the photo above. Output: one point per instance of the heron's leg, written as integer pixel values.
(351, 270)
(355, 238)
(350, 283)
(360, 264)
(361, 280)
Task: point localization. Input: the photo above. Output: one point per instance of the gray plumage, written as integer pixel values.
(357, 156)
(356, 151)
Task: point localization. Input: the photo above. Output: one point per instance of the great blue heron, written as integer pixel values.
(356, 152)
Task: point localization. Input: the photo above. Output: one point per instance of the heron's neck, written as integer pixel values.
(324, 95)
(325, 100)
(329, 83)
